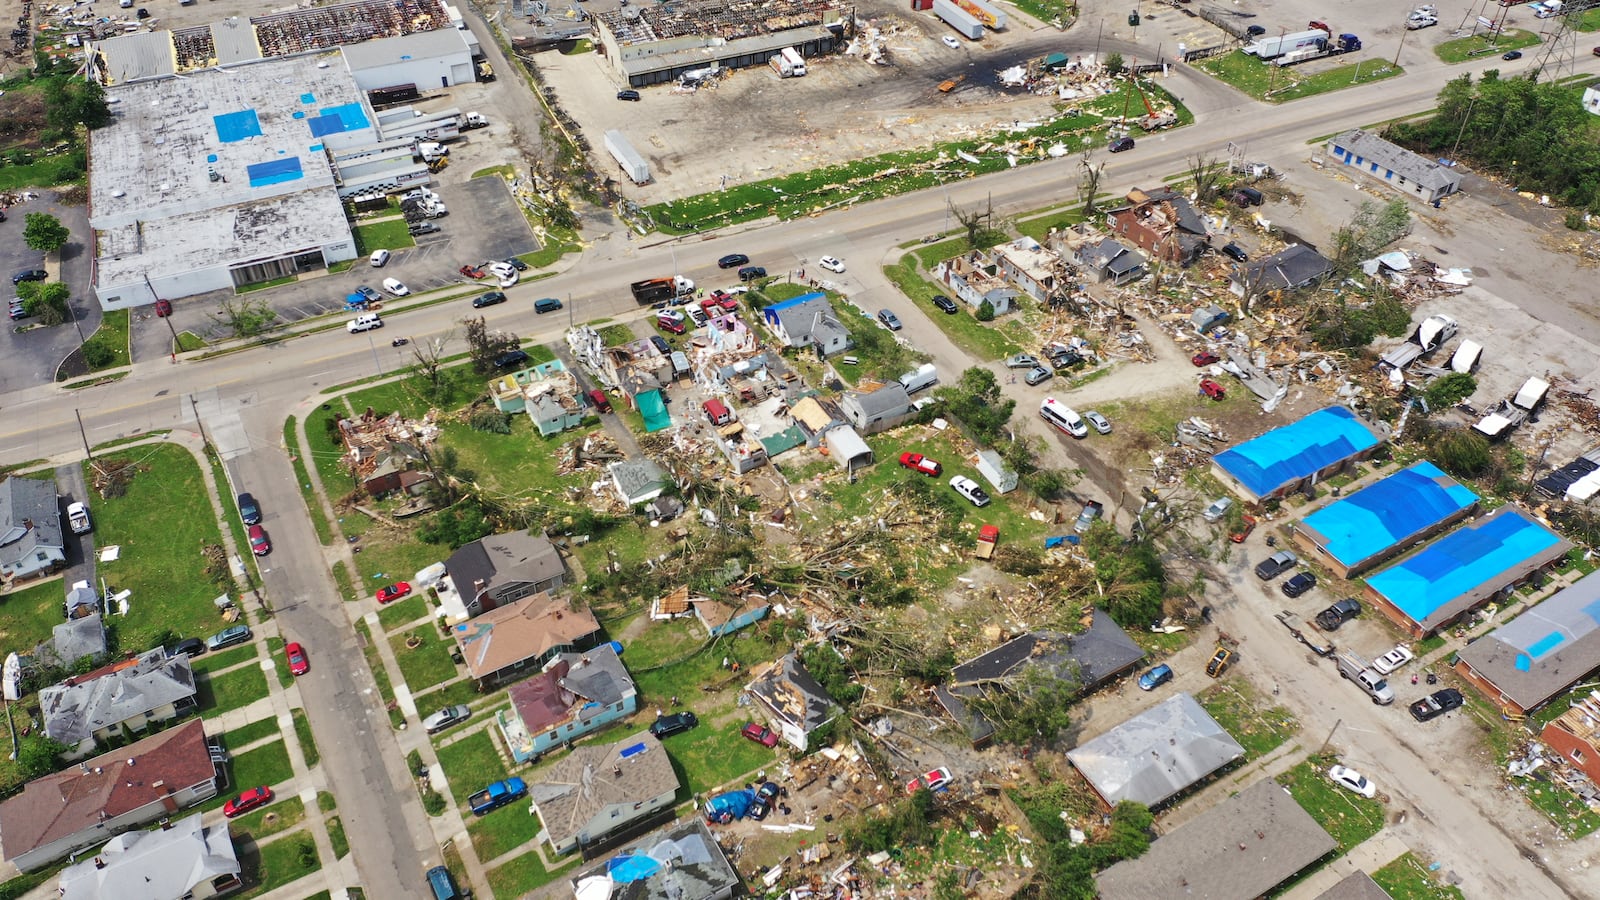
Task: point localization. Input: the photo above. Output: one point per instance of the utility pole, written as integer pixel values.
(1324, 748)
(83, 434)
(205, 441)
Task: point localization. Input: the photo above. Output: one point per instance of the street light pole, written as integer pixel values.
(371, 343)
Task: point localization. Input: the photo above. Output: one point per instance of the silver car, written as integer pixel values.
(1097, 421)
(1038, 375)
(446, 717)
(1022, 361)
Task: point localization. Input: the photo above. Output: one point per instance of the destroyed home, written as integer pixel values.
(1542, 652)
(792, 700)
(576, 694)
(1394, 165)
(742, 451)
(1162, 224)
(1157, 754)
(598, 790)
(82, 600)
(815, 416)
(380, 449)
(81, 806)
(808, 322)
(654, 45)
(31, 542)
(1038, 271)
(133, 695)
(725, 340)
(1575, 735)
(547, 392)
(1290, 457)
(180, 859)
(1100, 256)
(1243, 847)
(723, 617)
(503, 568)
(637, 480)
(672, 605)
(750, 376)
(680, 861)
(510, 640)
(975, 279)
(878, 410)
(1294, 267)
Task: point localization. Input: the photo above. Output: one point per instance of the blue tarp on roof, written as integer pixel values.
(1459, 569)
(1288, 454)
(274, 172)
(336, 119)
(1390, 512)
(236, 126)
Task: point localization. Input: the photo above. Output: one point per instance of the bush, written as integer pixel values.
(98, 355)
(1462, 453)
(985, 312)
(1449, 390)
(491, 420)
(1577, 221)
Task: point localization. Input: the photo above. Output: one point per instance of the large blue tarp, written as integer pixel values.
(729, 806)
(654, 410)
(237, 126)
(274, 172)
(1392, 511)
(626, 869)
(337, 119)
(1298, 450)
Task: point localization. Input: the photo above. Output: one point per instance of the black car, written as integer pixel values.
(1299, 584)
(628, 95)
(661, 344)
(1121, 144)
(517, 264)
(677, 723)
(733, 261)
(1436, 704)
(1331, 618)
(1255, 30)
(489, 299)
(1063, 357)
(1514, 54)
(1234, 251)
(510, 358)
(249, 510)
(751, 273)
(29, 275)
(189, 646)
(945, 304)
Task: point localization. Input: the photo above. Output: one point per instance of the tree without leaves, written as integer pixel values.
(1089, 183)
(1205, 173)
(1371, 229)
(429, 355)
(44, 232)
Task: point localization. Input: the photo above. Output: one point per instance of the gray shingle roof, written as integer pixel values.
(790, 690)
(501, 559)
(1397, 159)
(76, 638)
(693, 867)
(889, 399)
(582, 784)
(1157, 753)
(30, 517)
(1099, 653)
(1545, 650)
(1358, 886)
(1292, 267)
(74, 709)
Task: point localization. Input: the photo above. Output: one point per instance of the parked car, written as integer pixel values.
(503, 273)
(1155, 678)
(490, 299)
(396, 287)
(1097, 422)
(1351, 780)
(417, 229)
(951, 42)
(296, 654)
(394, 592)
(1247, 524)
(889, 319)
(471, 271)
(516, 263)
(1204, 358)
(1121, 144)
(969, 489)
(163, 308)
(251, 799)
(1392, 660)
(1299, 584)
(188, 647)
(931, 780)
(916, 462)
(761, 734)
(1062, 357)
(1218, 508)
(379, 258)
(1276, 564)
(227, 637)
(1512, 55)
(1255, 31)
(511, 358)
(249, 510)
(1022, 361)
(18, 309)
(29, 275)
(628, 95)
(832, 264)
(1331, 618)
(444, 718)
(1092, 510)
(665, 726)
(733, 261)
(597, 399)
(1235, 252)
(1219, 662)
(368, 294)
(761, 806)
(1038, 375)
(259, 544)
(945, 304)
(1212, 389)
(1436, 704)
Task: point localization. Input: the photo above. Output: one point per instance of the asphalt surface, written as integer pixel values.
(243, 399)
(32, 357)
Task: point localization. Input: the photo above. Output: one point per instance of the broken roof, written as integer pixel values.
(527, 629)
(715, 613)
(1099, 653)
(1294, 266)
(1157, 753)
(1242, 847)
(78, 707)
(1545, 650)
(593, 777)
(788, 690)
(815, 415)
(681, 861)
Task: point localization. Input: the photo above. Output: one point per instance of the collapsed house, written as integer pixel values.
(1104, 258)
(381, 450)
(793, 701)
(547, 392)
(1162, 223)
(975, 279)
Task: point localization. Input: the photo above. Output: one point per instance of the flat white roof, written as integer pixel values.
(405, 48)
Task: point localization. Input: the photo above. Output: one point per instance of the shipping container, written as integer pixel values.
(628, 158)
(959, 19)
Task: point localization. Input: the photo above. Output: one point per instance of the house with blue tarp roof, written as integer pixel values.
(1463, 570)
(1360, 531)
(1286, 458)
(1523, 663)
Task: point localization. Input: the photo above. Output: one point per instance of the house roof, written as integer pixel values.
(954, 701)
(541, 702)
(789, 690)
(1117, 257)
(1291, 452)
(1545, 650)
(679, 862)
(30, 517)
(890, 399)
(154, 865)
(597, 675)
(1099, 653)
(1187, 218)
(1242, 847)
(1397, 159)
(76, 638)
(716, 613)
(1357, 886)
(637, 477)
(113, 784)
(526, 629)
(1386, 513)
(1294, 266)
(582, 784)
(799, 315)
(76, 708)
(815, 414)
(675, 602)
(1157, 753)
(500, 560)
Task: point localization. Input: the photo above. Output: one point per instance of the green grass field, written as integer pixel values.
(1258, 727)
(267, 764)
(1408, 879)
(471, 764)
(389, 234)
(1480, 45)
(521, 875)
(113, 336)
(1346, 816)
(1278, 84)
(428, 664)
(28, 616)
(231, 690)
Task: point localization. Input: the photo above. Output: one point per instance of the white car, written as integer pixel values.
(1352, 780)
(1392, 660)
(379, 259)
(503, 272)
(396, 287)
(832, 263)
(951, 42)
(969, 489)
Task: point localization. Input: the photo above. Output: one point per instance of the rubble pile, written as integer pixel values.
(591, 451)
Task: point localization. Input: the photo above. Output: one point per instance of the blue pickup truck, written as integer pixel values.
(497, 795)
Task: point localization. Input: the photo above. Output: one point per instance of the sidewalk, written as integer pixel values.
(1368, 856)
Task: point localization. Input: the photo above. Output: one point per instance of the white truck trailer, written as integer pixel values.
(634, 165)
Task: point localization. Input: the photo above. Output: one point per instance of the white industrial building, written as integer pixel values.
(429, 59)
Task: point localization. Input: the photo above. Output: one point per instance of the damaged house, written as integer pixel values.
(576, 694)
(548, 393)
(1102, 257)
(1038, 271)
(1294, 267)
(794, 703)
(974, 278)
(382, 450)
(1162, 224)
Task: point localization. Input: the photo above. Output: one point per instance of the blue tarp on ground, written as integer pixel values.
(730, 806)
(1392, 511)
(1462, 568)
(1295, 451)
(654, 410)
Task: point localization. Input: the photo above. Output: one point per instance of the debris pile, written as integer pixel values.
(591, 451)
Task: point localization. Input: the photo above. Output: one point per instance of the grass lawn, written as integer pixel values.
(302, 731)
(1570, 814)
(161, 522)
(113, 336)
(1346, 816)
(410, 609)
(712, 755)
(1408, 879)
(554, 244)
(46, 172)
(282, 815)
(303, 480)
(519, 463)
(268, 764)
(1276, 84)
(275, 647)
(1480, 45)
(521, 875)
(503, 830)
(389, 234)
(245, 735)
(379, 674)
(471, 764)
(28, 616)
(1590, 20)
(1258, 727)
(427, 665)
(452, 694)
(336, 837)
(231, 690)
(269, 867)
(1039, 227)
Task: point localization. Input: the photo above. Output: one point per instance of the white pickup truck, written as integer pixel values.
(78, 518)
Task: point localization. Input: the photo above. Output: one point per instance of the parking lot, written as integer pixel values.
(31, 357)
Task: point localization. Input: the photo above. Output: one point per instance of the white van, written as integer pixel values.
(364, 323)
(923, 376)
(379, 259)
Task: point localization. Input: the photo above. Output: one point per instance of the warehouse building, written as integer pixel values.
(1352, 535)
(658, 43)
(1296, 455)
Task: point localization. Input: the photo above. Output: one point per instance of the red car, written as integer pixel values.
(472, 271)
(394, 592)
(1244, 530)
(298, 664)
(247, 801)
(761, 734)
(259, 545)
(916, 462)
(163, 308)
(1204, 358)
(932, 780)
(1212, 389)
(720, 298)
